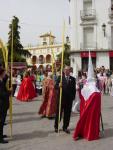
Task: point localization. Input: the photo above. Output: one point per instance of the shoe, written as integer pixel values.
(3, 141)
(56, 130)
(43, 116)
(5, 124)
(4, 136)
(51, 118)
(66, 131)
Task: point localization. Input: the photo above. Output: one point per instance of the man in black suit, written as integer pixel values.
(68, 95)
(4, 102)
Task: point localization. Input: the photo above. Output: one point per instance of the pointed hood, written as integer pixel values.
(90, 75)
(90, 86)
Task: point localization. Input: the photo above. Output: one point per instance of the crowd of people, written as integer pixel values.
(29, 84)
(104, 79)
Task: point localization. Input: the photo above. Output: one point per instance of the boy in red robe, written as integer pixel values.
(88, 126)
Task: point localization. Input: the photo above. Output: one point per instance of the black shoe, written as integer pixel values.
(66, 131)
(51, 118)
(3, 141)
(56, 130)
(5, 124)
(4, 136)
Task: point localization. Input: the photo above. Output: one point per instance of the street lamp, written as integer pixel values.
(67, 39)
(104, 29)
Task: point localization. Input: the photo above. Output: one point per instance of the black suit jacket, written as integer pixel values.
(68, 89)
(4, 93)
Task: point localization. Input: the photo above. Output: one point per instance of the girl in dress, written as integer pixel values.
(27, 90)
(18, 81)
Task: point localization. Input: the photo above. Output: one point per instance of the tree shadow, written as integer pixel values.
(32, 135)
(24, 114)
(19, 120)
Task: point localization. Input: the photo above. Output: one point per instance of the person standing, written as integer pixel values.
(48, 107)
(14, 83)
(4, 102)
(18, 83)
(68, 95)
(27, 90)
(88, 126)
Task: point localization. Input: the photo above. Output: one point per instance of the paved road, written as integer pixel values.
(30, 132)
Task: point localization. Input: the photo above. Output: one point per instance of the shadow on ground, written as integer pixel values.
(20, 120)
(24, 114)
(32, 135)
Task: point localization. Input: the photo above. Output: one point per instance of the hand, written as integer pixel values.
(60, 85)
(10, 91)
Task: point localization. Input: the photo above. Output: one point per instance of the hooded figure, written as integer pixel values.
(88, 126)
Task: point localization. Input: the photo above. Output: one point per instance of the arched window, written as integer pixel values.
(34, 59)
(48, 58)
(41, 59)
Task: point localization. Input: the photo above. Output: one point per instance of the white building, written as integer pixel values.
(45, 53)
(91, 24)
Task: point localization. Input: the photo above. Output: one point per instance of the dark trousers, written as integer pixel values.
(66, 107)
(14, 88)
(2, 112)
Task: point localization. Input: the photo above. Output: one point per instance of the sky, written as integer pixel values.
(36, 17)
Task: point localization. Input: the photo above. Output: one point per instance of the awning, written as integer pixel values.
(19, 67)
(110, 53)
(86, 54)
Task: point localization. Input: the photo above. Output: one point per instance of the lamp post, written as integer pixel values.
(104, 29)
(67, 39)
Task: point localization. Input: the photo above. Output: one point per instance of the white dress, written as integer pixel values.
(76, 103)
(18, 80)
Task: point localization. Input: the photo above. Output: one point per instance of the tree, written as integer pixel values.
(19, 53)
(66, 55)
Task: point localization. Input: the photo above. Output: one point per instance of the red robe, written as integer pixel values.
(27, 91)
(48, 107)
(88, 126)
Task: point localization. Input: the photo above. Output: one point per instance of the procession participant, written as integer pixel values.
(18, 82)
(48, 107)
(88, 126)
(44, 84)
(111, 93)
(14, 83)
(26, 91)
(4, 102)
(68, 95)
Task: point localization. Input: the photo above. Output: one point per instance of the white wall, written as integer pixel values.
(76, 64)
(102, 16)
(102, 59)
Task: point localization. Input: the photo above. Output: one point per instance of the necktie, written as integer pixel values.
(67, 78)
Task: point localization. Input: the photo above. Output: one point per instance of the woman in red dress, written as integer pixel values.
(48, 107)
(27, 90)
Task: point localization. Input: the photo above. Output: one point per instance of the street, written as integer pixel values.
(31, 132)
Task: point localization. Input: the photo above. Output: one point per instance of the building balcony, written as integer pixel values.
(89, 14)
(88, 46)
(111, 12)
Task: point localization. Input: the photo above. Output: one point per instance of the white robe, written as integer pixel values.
(18, 80)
